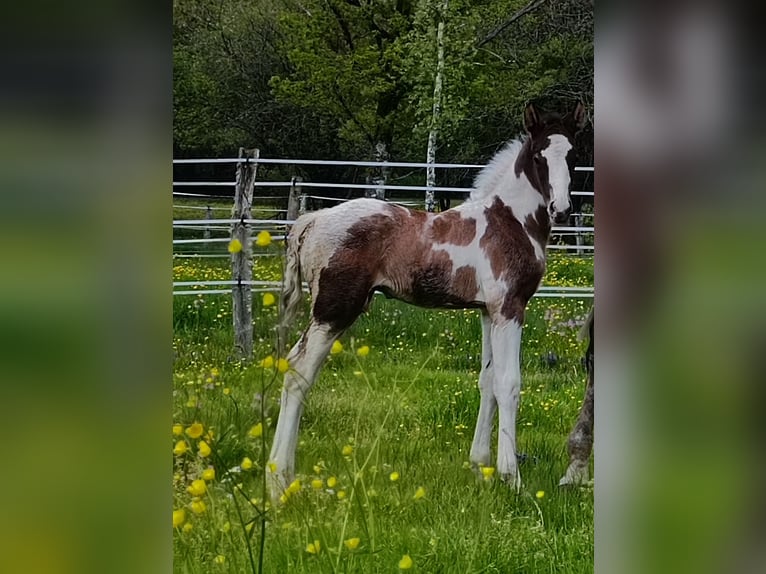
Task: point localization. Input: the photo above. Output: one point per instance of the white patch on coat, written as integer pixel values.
(558, 171)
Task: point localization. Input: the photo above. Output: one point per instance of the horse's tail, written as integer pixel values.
(292, 280)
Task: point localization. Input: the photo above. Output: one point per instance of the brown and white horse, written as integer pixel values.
(488, 253)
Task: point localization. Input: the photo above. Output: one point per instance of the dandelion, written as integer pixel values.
(337, 347)
(405, 563)
(246, 464)
(256, 430)
(394, 476)
(282, 365)
(263, 239)
(269, 299)
(332, 481)
(314, 547)
(195, 430)
(316, 484)
(208, 474)
(180, 448)
(267, 362)
(220, 559)
(351, 543)
(178, 430)
(179, 517)
(235, 246)
(295, 487)
(197, 487)
(347, 450)
(539, 494)
(487, 472)
(419, 493)
(204, 449)
(341, 494)
(363, 351)
(198, 506)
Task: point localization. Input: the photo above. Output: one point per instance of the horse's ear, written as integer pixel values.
(579, 116)
(531, 120)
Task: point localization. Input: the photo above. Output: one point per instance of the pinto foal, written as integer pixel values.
(488, 253)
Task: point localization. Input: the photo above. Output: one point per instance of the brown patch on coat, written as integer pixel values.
(450, 227)
(538, 226)
(512, 258)
(534, 166)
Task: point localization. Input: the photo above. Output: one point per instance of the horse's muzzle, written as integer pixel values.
(562, 216)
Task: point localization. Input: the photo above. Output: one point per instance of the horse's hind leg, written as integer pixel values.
(305, 359)
(580, 443)
(480, 448)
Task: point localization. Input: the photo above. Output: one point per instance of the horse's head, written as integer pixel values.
(551, 139)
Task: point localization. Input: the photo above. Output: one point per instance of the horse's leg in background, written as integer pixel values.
(580, 443)
(305, 359)
(480, 448)
(506, 346)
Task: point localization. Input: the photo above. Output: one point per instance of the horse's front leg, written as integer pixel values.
(506, 345)
(305, 359)
(480, 448)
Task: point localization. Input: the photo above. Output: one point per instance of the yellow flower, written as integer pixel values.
(267, 362)
(351, 543)
(235, 246)
(341, 494)
(272, 466)
(256, 431)
(220, 559)
(198, 506)
(347, 450)
(180, 448)
(419, 493)
(487, 472)
(332, 481)
(539, 494)
(405, 563)
(282, 365)
(317, 468)
(295, 486)
(179, 517)
(187, 527)
(197, 487)
(313, 547)
(363, 351)
(208, 474)
(226, 391)
(316, 484)
(246, 464)
(337, 347)
(263, 238)
(283, 499)
(195, 430)
(226, 527)
(268, 299)
(204, 449)
(394, 476)
(178, 430)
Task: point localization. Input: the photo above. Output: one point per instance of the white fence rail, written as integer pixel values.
(277, 226)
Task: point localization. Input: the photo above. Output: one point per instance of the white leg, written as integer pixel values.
(480, 453)
(506, 344)
(305, 358)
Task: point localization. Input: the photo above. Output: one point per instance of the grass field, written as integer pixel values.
(382, 463)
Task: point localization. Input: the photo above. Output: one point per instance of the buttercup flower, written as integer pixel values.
(351, 543)
(487, 472)
(347, 450)
(204, 449)
(539, 494)
(195, 430)
(180, 448)
(405, 563)
(419, 493)
(337, 347)
(178, 430)
(341, 494)
(220, 559)
(295, 486)
(267, 362)
(263, 239)
(313, 547)
(282, 365)
(187, 527)
(197, 487)
(208, 474)
(332, 481)
(394, 476)
(246, 464)
(271, 465)
(363, 351)
(316, 484)
(235, 246)
(198, 506)
(268, 299)
(256, 430)
(179, 517)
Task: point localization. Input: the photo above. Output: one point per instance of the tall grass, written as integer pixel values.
(408, 407)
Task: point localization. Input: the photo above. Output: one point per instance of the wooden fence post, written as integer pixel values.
(242, 261)
(294, 199)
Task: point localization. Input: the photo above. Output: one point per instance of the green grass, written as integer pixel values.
(409, 406)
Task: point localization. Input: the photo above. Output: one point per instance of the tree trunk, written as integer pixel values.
(437, 110)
